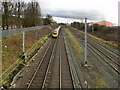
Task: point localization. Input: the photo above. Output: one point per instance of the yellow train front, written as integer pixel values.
(56, 32)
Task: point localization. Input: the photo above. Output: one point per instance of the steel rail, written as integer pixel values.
(48, 68)
(104, 59)
(108, 50)
(71, 72)
(105, 47)
(116, 55)
(97, 52)
(38, 66)
(60, 79)
(107, 57)
(104, 54)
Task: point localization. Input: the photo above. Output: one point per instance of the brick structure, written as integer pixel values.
(107, 24)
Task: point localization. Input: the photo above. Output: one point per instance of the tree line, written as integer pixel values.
(21, 14)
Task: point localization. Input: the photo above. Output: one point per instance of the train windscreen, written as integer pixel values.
(55, 33)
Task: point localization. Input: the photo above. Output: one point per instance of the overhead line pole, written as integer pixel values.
(92, 27)
(67, 25)
(1, 45)
(23, 54)
(85, 62)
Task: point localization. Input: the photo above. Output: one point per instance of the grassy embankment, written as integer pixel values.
(109, 43)
(93, 78)
(12, 49)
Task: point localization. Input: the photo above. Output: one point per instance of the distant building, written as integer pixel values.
(107, 24)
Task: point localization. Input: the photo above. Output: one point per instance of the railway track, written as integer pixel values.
(109, 60)
(74, 73)
(104, 57)
(40, 76)
(43, 74)
(94, 46)
(115, 54)
(46, 80)
(111, 52)
(65, 73)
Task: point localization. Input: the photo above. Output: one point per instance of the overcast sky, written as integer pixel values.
(70, 10)
(96, 10)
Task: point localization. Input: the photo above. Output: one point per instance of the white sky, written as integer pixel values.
(98, 9)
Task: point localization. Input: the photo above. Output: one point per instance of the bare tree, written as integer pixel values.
(20, 14)
(32, 14)
(5, 15)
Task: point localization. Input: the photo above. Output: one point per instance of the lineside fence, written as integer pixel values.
(6, 33)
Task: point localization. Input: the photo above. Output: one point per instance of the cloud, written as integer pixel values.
(78, 14)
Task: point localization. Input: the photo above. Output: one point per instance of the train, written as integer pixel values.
(55, 33)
